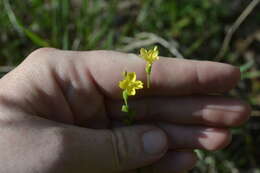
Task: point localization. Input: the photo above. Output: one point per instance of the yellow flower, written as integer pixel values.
(149, 55)
(130, 84)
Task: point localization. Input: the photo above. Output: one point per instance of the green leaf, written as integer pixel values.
(246, 66)
(199, 154)
(23, 30)
(35, 38)
(125, 108)
(250, 75)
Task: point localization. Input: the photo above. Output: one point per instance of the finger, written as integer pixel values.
(196, 137)
(169, 76)
(173, 162)
(192, 137)
(204, 110)
(123, 149)
(67, 148)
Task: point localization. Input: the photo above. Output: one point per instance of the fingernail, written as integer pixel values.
(231, 106)
(154, 142)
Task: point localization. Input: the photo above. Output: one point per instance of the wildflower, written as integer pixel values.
(149, 56)
(129, 84)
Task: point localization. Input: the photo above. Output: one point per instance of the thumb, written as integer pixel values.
(116, 150)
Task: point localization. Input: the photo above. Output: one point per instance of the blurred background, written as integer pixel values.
(216, 30)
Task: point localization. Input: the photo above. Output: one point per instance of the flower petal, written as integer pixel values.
(123, 84)
(138, 85)
(131, 91)
(155, 55)
(131, 76)
(143, 52)
(130, 84)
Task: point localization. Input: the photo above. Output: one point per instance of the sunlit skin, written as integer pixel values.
(60, 111)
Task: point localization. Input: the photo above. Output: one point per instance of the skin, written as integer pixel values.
(60, 112)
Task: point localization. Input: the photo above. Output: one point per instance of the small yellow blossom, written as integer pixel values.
(150, 55)
(130, 84)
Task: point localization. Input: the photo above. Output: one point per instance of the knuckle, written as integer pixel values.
(41, 53)
(119, 149)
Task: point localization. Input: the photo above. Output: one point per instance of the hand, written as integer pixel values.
(60, 112)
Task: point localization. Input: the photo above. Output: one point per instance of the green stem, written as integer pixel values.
(148, 70)
(125, 108)
(148, 80)
(125, 96)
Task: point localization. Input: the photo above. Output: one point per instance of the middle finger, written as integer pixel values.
(200, 110)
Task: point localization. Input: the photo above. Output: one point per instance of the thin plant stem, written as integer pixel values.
(148, 80)
(125, 98)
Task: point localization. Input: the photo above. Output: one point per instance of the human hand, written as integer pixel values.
(60, 112)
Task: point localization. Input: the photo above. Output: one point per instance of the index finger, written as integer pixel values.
(169, 76)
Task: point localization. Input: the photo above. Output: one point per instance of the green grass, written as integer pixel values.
(195, 27)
